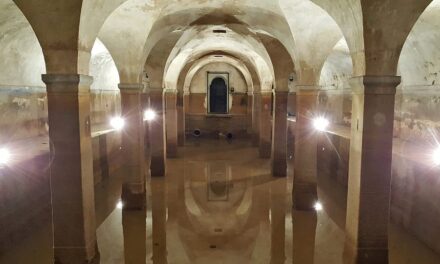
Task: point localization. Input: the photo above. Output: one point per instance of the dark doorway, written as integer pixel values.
(218, 96)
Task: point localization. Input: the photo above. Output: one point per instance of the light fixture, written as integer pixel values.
(321, 123)
(117, 123)
(318, 206)
(149, 115)
(436, 156)
(5, 156)
(120, 204)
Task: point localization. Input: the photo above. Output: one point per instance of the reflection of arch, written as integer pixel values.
(218, 96)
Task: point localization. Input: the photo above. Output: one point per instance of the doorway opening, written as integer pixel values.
(218, 95)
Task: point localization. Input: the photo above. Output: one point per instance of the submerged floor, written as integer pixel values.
(219, 204)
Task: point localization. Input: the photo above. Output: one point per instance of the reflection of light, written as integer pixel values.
(320, 123)
(117, 123)
(436, 156)
(318, 206)
(5, 156)
(120, 204)
(149, 115)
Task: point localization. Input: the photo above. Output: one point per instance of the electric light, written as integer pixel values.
(117, 123)
(436, 156)
(321, 123)
(149, 115)
(318, 206)
(5, 156)
(120, 204)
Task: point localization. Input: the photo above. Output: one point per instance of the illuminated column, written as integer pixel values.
(303, 237)
(279, 134)
(180, 120)
(278, 221)
(133, 189)
(249, 113)
(304, 180)
(159, 215)
(71, 169)
(171, 122)
(265, 124)
(157, 134)
(256, 118)
(370, 168)
(134, 228)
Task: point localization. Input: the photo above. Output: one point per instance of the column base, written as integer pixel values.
(304, 196)
(133, 200)
(73, 255)
(354, 255)
(157, 167)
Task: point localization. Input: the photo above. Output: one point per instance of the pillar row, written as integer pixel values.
(305, 170)
(71, 169)
(171, 122)
(256, 109)
(369, 183)
(265, 124)
(279, 134)
(133, 189)
(157, 133)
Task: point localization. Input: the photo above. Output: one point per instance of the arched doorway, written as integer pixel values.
(218, 96)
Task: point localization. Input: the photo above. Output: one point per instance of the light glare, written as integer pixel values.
(5, 156)
(117, 123)
(321, 123)
(318, 206)
(149, 115)
(120, 204)
(436, 156)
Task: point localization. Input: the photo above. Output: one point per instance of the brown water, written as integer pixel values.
(219, 204)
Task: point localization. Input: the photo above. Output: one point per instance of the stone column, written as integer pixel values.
(159, 215)
(133, 188)
(157, 134)
(186, 106)
(368, 200)
(305, 171)
(265, 124)
(278, 221)
(279, 134)
(180, 120)
(71, 169)
(256, 118)
(171, 122)
(249, 113)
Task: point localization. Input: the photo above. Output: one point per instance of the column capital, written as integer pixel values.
(170, 91)
(265, 92)
(155, 90)
(131, 87)
(375, 84)
(307, 89)
(285, 92)
(67, 83)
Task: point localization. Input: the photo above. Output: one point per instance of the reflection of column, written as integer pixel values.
(304, 182)
(265, 124)
(159, 215)
(249, 113)
(71, 170)
(133, 191)
(135, 234)
(157, 134)
(256, 118)
(180, 120)
(370, 169)
(304, 233)
(278, 221)
(171, 122)
(279, 134)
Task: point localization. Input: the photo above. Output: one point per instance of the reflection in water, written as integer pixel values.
(220, 205)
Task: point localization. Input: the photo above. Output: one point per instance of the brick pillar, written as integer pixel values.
(71, 168)
(369, 181)
(265, 124)
(171, 122)
(256, 119)
(279, 134)
(133, 189)
(180, 120)
(157, 134)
